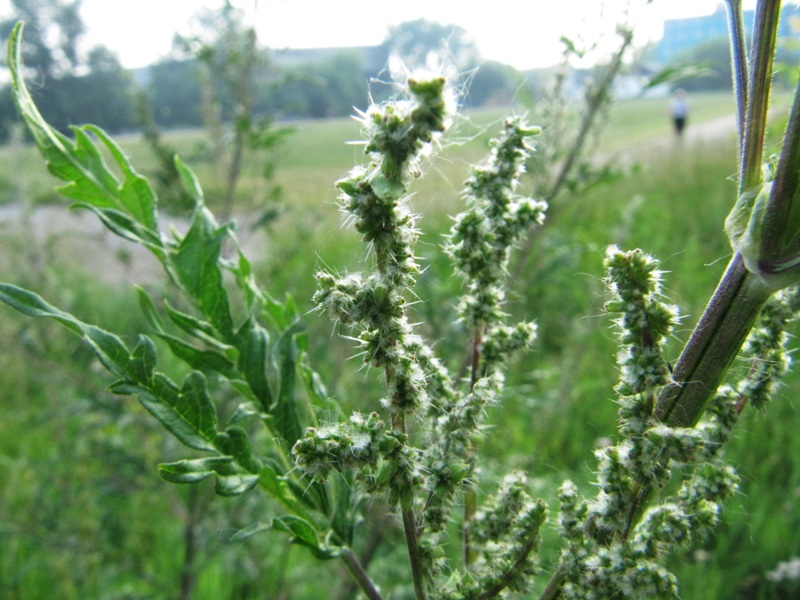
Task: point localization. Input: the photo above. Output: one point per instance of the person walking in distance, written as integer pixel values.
(679, 109)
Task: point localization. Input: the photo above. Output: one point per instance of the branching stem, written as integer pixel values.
(360, 575)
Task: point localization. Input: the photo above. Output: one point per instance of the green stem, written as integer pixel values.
(738, 65)
(360, 575)
(761, 59)
(781, 225)
(716, 340)
(496, 589)
(470, 496)
(410, 529)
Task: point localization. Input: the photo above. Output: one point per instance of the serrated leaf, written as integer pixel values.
(196, 264)
(187, 413)
(80, 163)
(136, 195)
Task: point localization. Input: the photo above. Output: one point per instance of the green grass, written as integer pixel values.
(76, 526)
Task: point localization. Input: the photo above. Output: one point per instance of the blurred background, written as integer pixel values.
(257, 98)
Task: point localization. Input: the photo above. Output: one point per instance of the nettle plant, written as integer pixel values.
(415, 449)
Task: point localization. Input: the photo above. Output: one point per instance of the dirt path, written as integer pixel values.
(707, 131)
(53, 233)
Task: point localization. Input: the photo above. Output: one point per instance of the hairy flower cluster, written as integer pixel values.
(481, 239)
(381, 458)
(373, 196)
(611, 552)
(645, 322)
(765, 348)
(480, 242)
(358, 442)
(448, 462)
(506, 531)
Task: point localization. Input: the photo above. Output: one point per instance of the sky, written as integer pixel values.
(524, 34)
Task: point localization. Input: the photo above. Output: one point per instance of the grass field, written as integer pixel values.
(83, 514)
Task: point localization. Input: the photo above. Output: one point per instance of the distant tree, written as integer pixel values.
(493, 83)
(428, 43)
(70, 87)
(327, 88)
(174, 92)
(52, 30)
(714, 56)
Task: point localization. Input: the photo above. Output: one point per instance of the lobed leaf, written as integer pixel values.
(196, 265)
(80, 163)
(187, 413)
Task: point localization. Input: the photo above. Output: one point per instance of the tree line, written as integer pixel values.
(73, 87)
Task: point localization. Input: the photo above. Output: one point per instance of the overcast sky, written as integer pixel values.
(524, 34)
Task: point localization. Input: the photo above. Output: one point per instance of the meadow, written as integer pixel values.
(83, 513)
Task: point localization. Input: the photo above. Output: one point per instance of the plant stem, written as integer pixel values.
(716, 340)
(593, 105)
(470, 496)
(780, 222)
(360, 575)
(410, 529)
(757, 94)
(554, 585)
(509, 575)
(738, 65)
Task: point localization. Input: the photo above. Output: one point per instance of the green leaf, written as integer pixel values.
(32, 305)
(196, 265)
(127, 228)
(143, 361)
(149, 310)
(206, 361)
(193, 471)
(108, 348)
(234, 485)
(190, 181)
(280, 489)
(80, 162)
(286, 411)
(187, 413)
(235, 442)
(305, 534)
(250, 531)
(136, 195)
(252, 341)
(230, 482)
(198, 328)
